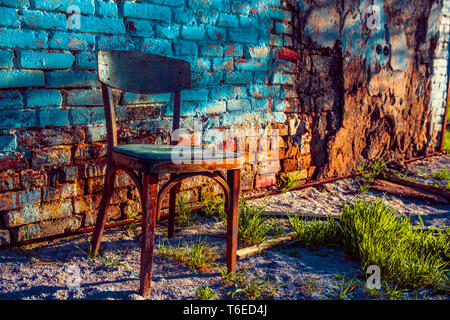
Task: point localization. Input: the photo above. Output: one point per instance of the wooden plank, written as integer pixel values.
(249, 251)
(142, 72)
(418, 185)
(407, 192)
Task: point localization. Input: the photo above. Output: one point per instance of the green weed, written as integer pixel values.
(213, 207)
(345, 289)
(184, 217)
(313, 232)
(372, 232)
(253, 227)
(197, 256)
(205, 293)
(370, 173)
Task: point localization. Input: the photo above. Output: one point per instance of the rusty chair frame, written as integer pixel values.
(152, 74)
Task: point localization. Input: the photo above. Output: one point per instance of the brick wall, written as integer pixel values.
(266, 64)
(438, 103)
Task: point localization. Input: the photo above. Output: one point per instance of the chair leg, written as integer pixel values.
(108, 189)
(149, 215)
(172, 209)
(233, 179)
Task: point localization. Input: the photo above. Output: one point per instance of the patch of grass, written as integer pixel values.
(313, 232)
(205, 293)
(447, 140)
(196, 255)
(370, 172)
(311, 286)
(345, 289)
(372, 232)
(184, 216)
(443, 175)
(253, 227)
(247, 288)
(214, 207)
(288, 181)
(108, 261)
(392, 292)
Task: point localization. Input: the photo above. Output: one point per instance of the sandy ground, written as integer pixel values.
(48, 272)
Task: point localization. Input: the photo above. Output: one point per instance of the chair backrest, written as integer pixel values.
(143, 73)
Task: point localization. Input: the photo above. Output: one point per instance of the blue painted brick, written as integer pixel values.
(261, 77)
(11, 119)
(147, 11)
(238, 105)
(283, 78)
(246, 65)
(280, 106)
(259, 91)
(86, 60)
(208, 17)
(157, 46)
(43, 98)
(84, 97)
(213, 107)
(228, 20)
(23, 4)
(140, 28)
(44, 20)
(21, 78)
(115, 42)
(6, 58)
(243, 37)
(228, 92)
(82, 115)
(240, 7)
(233, 50)
(25, 39)
(72, 41)
(206, 79)
(184, 16)
(216, 33)
(279, 117)
(9, 17)
(185, 48)
(52, 117)
(168, 32)
(198, 64)
(44, 60)
(223, 64)
(8, 142)
(11, 100)
(249, 23)
(86, 6)
(238, 77)
(283, 28)
(102, 25)
(107, 8)
(207, 4)
(173, 3)
(195, 95)
(70, 79)
(134, 98)
(211, 50)
(187, 109)
(192, 33)
(280, 14)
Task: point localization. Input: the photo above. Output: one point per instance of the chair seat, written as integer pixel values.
(171, 158)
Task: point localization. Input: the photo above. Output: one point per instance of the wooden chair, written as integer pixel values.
(151, 74)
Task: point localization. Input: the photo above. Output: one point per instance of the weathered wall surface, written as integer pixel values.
(336, 89)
